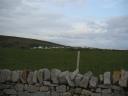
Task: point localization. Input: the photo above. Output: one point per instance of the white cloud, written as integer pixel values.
(69, 1)
(80, 28)
(36, 19)
(86, 27)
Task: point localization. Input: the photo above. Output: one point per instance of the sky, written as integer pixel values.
(84, 23)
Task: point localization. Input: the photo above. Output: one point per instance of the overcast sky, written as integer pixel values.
(92, 23)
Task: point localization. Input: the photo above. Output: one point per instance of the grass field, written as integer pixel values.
(97, 61)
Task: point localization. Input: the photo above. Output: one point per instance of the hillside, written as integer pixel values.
(16, 53)
(17, 42)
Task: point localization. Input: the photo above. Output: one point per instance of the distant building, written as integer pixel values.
(46, 47)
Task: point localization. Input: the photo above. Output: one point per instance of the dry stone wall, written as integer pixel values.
(45, 82)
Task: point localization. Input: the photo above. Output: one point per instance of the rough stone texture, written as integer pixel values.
(67, 94)
(23, 94)
(61, 88)
(12, 95)
(78, 90)
(62, 85)
(44, 88)
(72, 90)
(19, 87)
(30, 78)
(15, 76)
(73, 74)
(4, 86)
(104, 86)
(116, 94)
(5, 75)
(54, 75)
(106, 94)
(93, 82)
(47, 83)
(25, 87)
(96, 94)
(32, 88)
(46, 74)
(40, 75)
(85, 81)
(24, 75)
(123, 82)
(86, 92)
(62, 77)
(77, 80)
(115, 87)
(98, 90)
(10, 91)
(54, 93)
(34, 79)
(2, 76)
(101, 78)
(40, 94)
(116, 77)
(106, 91)
(69, 80)
(107, 78)
(52, 88)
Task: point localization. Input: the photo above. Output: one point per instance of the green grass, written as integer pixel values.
(97, 61)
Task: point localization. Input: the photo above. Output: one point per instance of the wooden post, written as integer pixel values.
(78, 61)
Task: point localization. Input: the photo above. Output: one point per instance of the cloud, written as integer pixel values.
(57, 2)
(118, 32)
(9, 4)
(39, 19)
(69, 1)
(111, 33)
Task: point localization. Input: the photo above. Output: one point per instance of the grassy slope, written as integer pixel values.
(17, 42)
(65, 59)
